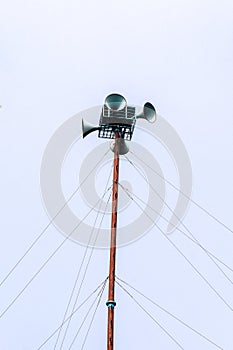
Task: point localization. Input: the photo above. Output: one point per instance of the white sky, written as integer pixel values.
(58, 58)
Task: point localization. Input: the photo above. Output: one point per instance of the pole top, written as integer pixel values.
(117, 115)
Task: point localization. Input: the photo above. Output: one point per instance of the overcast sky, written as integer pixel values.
(61, 57)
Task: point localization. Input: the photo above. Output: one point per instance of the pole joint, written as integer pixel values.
(111, 303)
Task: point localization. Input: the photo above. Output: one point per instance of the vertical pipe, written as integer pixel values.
(112, 261)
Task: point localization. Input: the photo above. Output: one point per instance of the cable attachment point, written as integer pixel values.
(111, 303)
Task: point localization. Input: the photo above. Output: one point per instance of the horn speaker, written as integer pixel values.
(87, 128)
(123, 148)
(148, 113)
(115, 102)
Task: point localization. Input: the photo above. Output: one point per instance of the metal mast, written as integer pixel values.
(117, 121)
(112, 257)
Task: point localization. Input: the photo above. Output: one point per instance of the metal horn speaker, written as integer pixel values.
(87, 128)
(148, 113)
(115, 102)
(123, 148)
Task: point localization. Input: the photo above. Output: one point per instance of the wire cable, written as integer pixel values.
(214, 256)
(49, 224)
(195, 241)
(87, 314)
(92, 320)
(180, 221)
(186, 259)
(85, 272)
(189, 198)
(171, 314)
(193, 237)
(50, 257)
(147, 312)
(80, 268)
(75, 311)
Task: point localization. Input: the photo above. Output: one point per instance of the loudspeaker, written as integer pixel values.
(148, 113)
(88, 128)
(115, 102)
(123, 148)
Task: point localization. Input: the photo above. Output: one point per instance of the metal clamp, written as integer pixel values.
(111, 303)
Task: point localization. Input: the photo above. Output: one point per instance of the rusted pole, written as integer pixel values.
(112, 261)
